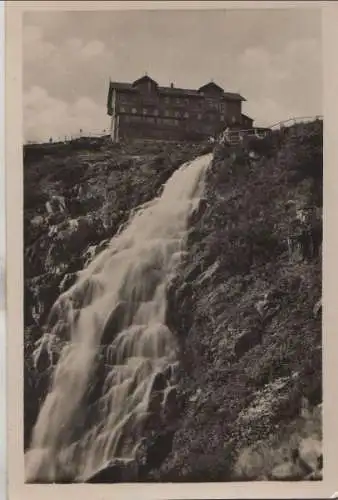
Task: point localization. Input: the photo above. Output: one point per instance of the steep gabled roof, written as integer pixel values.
(233, 96)
(209, 86)
(179, 92)
(247, 117)
(122, 86)
(144, 79)
(174, 91)
(228, 96)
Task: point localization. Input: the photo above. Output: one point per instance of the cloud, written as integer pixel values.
(35, 48)
(283, 84)
(92, 49)
(74, 66)
(46, 116)
(272, 57)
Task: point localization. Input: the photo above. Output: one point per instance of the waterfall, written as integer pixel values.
(114, 340)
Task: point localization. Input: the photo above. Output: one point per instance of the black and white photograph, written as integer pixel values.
(172, 245)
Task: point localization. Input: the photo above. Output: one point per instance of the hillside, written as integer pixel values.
(76, 197)
(244, 306)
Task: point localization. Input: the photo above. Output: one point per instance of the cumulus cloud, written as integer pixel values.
(92, 49)
(283, 84)
(62, 92)
(35, 48)
(46, 116)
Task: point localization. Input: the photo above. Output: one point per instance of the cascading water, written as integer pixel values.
(115, 341)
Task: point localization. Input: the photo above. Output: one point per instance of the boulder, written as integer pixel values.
(116, 471)
(310, 451)
(317, 310)
(170, 404)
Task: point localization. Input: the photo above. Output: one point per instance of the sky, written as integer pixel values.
(272, 57)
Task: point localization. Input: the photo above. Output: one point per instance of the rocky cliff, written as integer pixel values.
(245, 305)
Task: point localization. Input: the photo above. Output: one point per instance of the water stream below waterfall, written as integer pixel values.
(115, 340)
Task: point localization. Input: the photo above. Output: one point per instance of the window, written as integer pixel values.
(178, 100)
(156, 112)
(177, 114)
(233, 119)
(145, 112)
(222, 118)
(199, 116)
(122, 110)
(186, 115)
(166, 113)
(134, 111)
(167, 100)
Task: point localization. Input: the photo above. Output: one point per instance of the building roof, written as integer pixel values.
(178, 91)
(143, 79)
(233, 96)
(246, 116)
(174, 91)
(211, 85)
(122, 86)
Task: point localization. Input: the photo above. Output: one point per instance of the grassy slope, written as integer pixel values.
(238, 251)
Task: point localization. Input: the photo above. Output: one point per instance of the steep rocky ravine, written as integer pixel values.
(245, 306)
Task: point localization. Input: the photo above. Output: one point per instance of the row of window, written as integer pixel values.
(167, 100)
(156, 112)
(168, 113)
(151, 119)
(210, 103)
(177, 100)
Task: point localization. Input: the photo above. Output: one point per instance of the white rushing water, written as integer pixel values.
(115, 323)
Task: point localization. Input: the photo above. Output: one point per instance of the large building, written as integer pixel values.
(145, 110)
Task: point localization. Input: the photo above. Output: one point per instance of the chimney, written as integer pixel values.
(171, 85)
